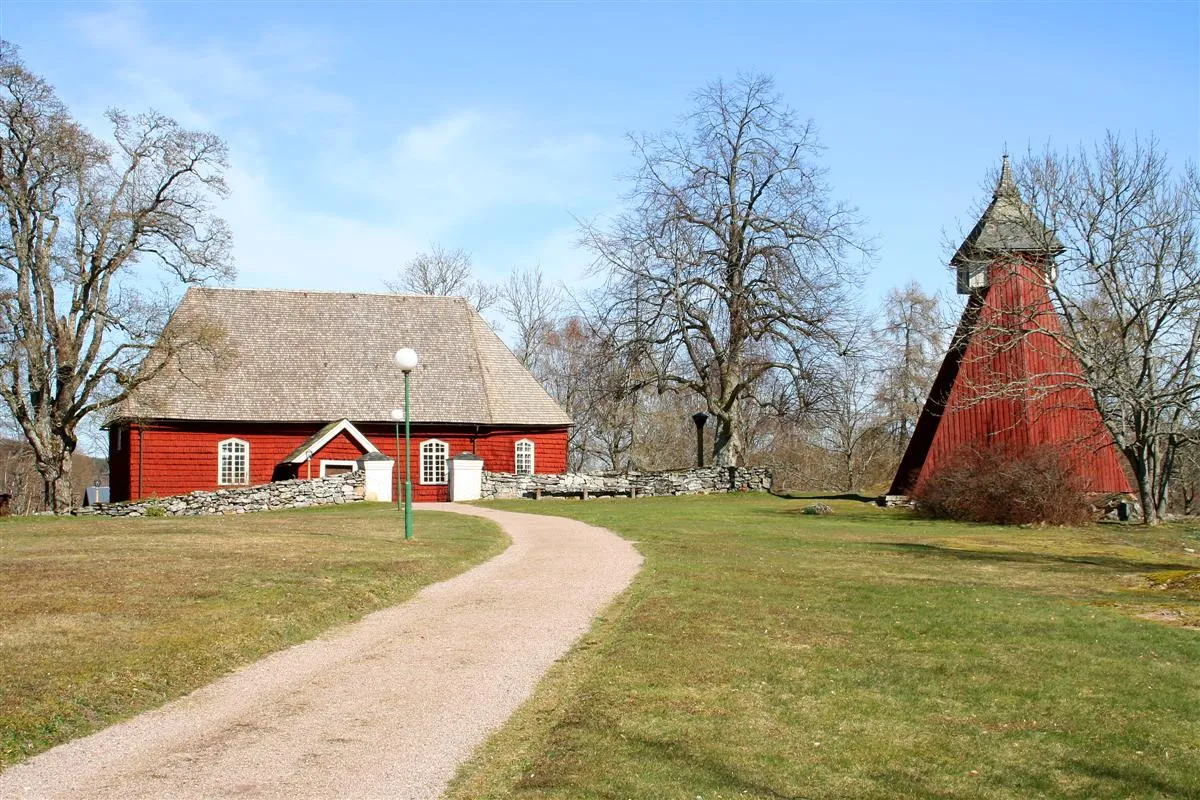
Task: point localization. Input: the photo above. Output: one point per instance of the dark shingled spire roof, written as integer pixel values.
(1007, 226)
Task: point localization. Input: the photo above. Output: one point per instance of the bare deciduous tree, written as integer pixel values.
(20, 480)
(912, 344)
(1128, 292)
(531, 303)
(444, 272)
(86, 221)
(853, 420)
(733, 261)
(1185, 477)
(585, 374)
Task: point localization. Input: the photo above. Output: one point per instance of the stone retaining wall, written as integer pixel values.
(348, 488)
(334, 490)
(501, 485)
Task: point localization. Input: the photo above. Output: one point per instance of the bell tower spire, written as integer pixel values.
(1008, 381)
(1007, 227)
(1006, 186)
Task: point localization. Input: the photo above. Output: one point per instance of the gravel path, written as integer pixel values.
(386, 707)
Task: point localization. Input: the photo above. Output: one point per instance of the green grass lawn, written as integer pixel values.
(103, 618)
(763, 653)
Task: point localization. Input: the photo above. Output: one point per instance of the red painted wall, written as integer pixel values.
(168, 458)
(1011, 383)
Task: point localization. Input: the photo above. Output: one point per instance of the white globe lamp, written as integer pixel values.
(406, 359)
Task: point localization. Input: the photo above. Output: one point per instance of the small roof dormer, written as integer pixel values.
(1007, 226)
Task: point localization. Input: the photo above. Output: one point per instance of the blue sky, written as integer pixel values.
(361, 132)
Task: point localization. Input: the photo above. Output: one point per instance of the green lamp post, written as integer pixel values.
(406, 360)
(398, 417)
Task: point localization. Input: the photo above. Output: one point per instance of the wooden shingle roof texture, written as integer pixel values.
(300, 356)
(1008, 225)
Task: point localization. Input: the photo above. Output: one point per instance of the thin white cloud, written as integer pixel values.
(438, 140)
(316, 202)
(273, 78)
(279, 246)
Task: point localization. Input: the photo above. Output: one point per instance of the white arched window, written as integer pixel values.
(233, 462)
(524, 458)
(433, 461)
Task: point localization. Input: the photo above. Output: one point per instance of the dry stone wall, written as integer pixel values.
(502, 485)
(334, 490)
(348, 488)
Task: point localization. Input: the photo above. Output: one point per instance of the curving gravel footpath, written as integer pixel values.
(385, 707)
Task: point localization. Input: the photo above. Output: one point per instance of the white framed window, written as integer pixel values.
(233, 462)
(433, 461)
(334, 467)
(524, 457)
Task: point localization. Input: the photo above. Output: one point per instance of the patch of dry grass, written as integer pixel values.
(101, 619)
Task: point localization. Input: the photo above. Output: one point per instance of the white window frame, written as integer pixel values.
(517, 457)
(429, 446)
(325, 462)
(221, 446)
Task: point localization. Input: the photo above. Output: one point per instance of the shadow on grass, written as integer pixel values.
(1133, 780)
(666, 751)
(1115, 780)
(1023, 557)
(1136, 779)
(858, 498)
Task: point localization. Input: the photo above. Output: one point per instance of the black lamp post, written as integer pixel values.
(700, 418)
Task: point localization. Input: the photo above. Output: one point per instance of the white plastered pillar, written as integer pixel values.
(466, 477)
(377, 476)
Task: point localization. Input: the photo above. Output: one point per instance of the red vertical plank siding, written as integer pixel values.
(180, 456)
(1012, 383)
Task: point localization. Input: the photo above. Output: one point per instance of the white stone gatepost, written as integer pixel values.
(466, 477)
(377, 476)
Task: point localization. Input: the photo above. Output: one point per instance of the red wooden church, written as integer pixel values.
(285, 384)
(1008, 381)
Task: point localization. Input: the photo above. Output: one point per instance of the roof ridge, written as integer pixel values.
(324, 291)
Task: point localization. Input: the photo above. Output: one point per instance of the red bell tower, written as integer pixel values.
(1008, 379)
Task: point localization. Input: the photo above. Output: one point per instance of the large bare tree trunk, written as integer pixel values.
(728, 447)
(727, 442)
(1148, 468)
(61, 491)
(77, 332)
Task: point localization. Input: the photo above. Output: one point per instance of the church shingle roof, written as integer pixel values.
(296, 356)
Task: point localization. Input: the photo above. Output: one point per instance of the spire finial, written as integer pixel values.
(1006, 186)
